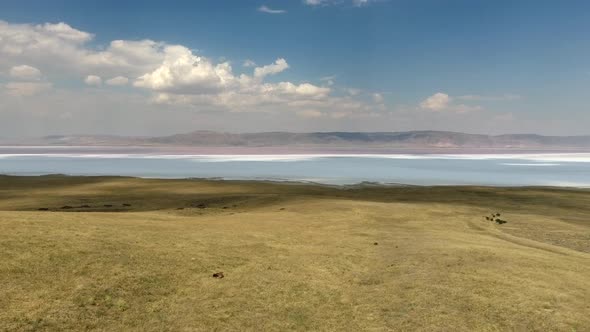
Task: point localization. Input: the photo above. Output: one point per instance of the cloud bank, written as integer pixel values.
(172, 74)
(55, 79)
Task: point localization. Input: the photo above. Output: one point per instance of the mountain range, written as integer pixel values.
(408, 139)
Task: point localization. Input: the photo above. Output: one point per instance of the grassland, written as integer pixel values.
(113, 254)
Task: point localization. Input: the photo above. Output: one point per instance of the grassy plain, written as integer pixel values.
(294, 257)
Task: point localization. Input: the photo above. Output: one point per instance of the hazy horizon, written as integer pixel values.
(286, 131)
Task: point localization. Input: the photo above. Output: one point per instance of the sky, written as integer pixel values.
(165, 67)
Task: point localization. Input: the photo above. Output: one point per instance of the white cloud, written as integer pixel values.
(443, 102)
(175, 74)
(64, 31)
(62, 48)
(127, 57)
(26, 41)
(275, 68)
(25, 72)
(266, 9)
(118, 81)
(305, 89)
(26, 88)
(254, 96)
(93, 80)
(437, 102)
(187, 79)
(183, 72)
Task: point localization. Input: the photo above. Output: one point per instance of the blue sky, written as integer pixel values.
(430, 64)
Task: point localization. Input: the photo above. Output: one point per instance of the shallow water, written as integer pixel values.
(564, 169)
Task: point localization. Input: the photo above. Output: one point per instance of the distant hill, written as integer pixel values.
(409, 139)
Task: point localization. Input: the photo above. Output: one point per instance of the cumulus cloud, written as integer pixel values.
(118, 81)
(183, 72)
(127, 57)
(275, 68)
(38, 41)
(25, 72)
(65, 49)
(174, 74)
(93, 80)
(266, 9)
(64, 31)
(440, 101)
(305, 89)
(436, 102)
(188, 79)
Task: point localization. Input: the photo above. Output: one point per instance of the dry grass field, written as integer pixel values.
(125, 254)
